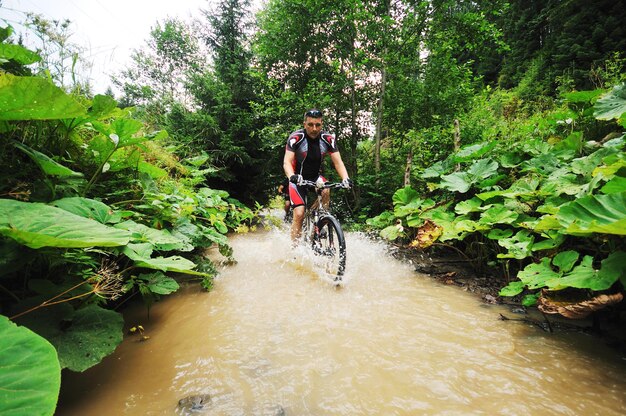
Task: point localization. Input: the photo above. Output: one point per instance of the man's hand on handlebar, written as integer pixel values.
(346, 183)
(297, 179)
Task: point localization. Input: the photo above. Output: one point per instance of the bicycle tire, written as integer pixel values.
(330, 243)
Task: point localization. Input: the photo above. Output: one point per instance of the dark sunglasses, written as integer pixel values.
(313, 114)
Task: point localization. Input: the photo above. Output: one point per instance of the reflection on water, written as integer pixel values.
(274, 337)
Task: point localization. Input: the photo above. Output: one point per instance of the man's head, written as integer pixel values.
(313, 123)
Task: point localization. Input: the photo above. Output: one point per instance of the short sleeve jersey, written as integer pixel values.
(310, 152)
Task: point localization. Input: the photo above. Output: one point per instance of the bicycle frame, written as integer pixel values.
(323, 232)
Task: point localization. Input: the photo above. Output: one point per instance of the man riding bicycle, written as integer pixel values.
(304, 153)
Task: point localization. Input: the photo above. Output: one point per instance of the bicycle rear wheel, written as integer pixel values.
(330, 244)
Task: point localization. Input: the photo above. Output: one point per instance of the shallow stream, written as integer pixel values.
(275, 338)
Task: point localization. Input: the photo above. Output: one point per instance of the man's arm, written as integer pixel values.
(339, 166)
(288, 163)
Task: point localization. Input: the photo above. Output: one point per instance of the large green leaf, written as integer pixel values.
(18, 54)
(565, 260)
(125, 129)
(405, 195)
(47, 165)
(555, 239)
(102, 106)
(456, 182)
(519, 246)
(93, 334)
(468, 206)
(88, 208)
(542, 164)
(391, 232)
(477, 172)
(498, 214)
(30, 374)
(154, 171)
(87, 335)
(159, 283)
(141, 253)
(594, 214)
(536, 275)
(612, 105)
(35, 98)
(159, 239)
(437, 169)
(615, 185)
(613, 164)
(585, 276)
(482, 169)
(525, 187)
(474, 151)
(39, 225)
(415, 206)
(582, 96)
(512, 289)
(562, 183)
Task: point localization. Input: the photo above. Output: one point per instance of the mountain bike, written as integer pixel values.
(322, 232)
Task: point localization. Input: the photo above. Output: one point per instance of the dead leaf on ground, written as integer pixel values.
(427, 234)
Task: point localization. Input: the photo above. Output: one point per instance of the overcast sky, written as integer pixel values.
(108, 29)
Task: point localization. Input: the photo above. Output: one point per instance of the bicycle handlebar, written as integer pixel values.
(313, 184)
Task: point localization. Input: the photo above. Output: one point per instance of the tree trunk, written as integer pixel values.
(379, 120)
(355, 138)
(457, 140)
(407, 170)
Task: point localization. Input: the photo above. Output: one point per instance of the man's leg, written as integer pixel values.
(326, 198)
(296, 224)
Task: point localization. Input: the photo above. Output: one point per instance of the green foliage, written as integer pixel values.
(554, 203)
(152, 286)
(570, 41)
(31, 376)
(71, 248)
(565, 271)
(141, 253)
(156, 77)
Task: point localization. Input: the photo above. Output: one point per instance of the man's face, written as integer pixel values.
(313, 126)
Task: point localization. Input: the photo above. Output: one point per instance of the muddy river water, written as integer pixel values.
(276, 338)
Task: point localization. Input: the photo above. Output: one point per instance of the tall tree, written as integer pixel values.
(562, 38)
(226, 95)
(158, 71)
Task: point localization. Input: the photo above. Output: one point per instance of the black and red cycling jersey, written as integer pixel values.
(310, 152)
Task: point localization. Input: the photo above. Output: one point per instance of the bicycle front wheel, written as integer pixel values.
(331, 246)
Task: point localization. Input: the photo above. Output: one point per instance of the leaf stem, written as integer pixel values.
(49, 302)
